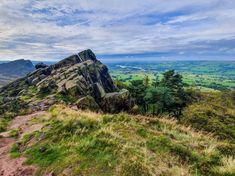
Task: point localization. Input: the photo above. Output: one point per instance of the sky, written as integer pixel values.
(53, 29)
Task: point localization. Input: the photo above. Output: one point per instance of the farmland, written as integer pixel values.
(205, 75)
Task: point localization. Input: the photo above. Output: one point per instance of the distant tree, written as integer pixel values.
(156, 81)
(146, 81)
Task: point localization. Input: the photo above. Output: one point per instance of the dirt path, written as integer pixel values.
(15, 167)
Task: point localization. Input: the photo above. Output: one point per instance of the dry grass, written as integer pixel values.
(123, 144)
(64, 113)
(228, 166)
(211, 150)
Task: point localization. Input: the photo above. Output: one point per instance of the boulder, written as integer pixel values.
(48, 87)
(116, 102)
(88, 102)
(40, 65)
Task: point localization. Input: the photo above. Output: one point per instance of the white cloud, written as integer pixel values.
(53, 29)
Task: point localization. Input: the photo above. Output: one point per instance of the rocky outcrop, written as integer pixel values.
(40, 65)
(116, 101)
(80, 76)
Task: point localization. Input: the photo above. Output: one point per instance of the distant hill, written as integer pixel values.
(15, 69)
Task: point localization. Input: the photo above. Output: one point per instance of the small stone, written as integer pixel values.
(42, 149)
(42, 136)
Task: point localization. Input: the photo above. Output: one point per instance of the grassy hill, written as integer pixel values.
(77, 142)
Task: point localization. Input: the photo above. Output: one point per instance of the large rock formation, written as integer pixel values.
(80, 76)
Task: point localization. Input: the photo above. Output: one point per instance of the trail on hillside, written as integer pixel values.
(16, 167)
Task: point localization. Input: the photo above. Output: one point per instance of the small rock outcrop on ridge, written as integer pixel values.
(40, 65)
(81, 79)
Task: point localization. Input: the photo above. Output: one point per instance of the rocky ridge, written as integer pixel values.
(81, 78)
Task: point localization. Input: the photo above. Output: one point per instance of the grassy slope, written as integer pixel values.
(84, 143)
(213, 112)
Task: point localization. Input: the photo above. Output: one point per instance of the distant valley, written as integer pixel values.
(205, 75)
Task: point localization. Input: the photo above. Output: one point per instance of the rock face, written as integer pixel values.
(80, 76)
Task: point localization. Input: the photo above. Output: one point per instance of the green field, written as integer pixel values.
(205, 75)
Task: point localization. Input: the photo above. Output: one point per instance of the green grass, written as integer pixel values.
(3, 124)
(87, 143)
(14, 133)
(214, 112)
(15, 151)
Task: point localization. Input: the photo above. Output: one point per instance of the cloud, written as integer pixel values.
(40, 29)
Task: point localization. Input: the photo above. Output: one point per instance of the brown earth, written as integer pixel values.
(16, 167)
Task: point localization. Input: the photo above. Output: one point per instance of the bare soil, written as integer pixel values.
(16, 167)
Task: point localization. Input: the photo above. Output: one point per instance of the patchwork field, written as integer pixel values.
(205, 75)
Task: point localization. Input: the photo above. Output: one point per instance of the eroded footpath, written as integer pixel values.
(8, 165)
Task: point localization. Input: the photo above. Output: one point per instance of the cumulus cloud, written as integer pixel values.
(41, 29)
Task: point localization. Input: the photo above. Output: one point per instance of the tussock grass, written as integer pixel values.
(228, 166)
(62, 112)
(87, 143)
